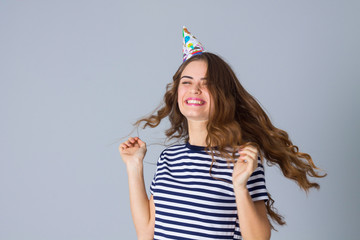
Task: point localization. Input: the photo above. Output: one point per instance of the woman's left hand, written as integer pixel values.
(245, 165)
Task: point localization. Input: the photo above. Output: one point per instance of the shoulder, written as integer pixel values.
(173, 149)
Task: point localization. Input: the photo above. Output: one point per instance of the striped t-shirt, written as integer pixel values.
(191, 204)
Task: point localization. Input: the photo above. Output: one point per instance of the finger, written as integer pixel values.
(141, 143)
(244, 159)
(249, 148)
(250, 160)
(128, 143)
(248, 153)
(123, 146)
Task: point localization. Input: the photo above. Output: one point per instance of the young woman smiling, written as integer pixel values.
(213, 185)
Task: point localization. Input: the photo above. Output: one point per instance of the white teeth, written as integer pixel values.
(194, 101)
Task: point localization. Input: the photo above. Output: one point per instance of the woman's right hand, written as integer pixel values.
(133, 151)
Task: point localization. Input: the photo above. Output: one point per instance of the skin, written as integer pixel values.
(193, 85)
(142, 208)
(252, 215)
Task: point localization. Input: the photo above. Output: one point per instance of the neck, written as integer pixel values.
(197, 132)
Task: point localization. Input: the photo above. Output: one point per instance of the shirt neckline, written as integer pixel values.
(194, 147)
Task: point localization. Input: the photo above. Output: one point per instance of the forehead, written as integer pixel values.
(195, 69)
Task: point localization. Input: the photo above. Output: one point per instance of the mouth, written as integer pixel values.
(195, 101)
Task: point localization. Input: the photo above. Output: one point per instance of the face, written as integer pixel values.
(194, 99)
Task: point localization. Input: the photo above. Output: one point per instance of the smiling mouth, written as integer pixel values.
(196, 102)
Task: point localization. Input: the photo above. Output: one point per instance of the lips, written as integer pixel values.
(194, 101)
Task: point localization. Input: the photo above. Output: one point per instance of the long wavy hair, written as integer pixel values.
(237, 119)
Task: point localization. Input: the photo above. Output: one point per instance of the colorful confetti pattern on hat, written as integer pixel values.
(191, 46)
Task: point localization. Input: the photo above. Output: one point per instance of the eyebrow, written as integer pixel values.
(204, 78)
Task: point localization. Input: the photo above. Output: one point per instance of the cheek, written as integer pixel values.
(211, 102)
(208, 97)
(179, 97)
(180, 94)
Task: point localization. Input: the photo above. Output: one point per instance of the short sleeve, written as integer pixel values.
(256, 184)
(152, 185)
(153, 182)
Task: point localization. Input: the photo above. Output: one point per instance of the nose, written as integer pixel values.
(196, 89)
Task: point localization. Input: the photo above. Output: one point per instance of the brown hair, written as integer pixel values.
(239, 119)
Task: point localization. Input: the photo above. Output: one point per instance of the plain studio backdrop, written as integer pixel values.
(75, 75)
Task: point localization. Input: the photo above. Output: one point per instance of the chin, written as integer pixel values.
(196, 119)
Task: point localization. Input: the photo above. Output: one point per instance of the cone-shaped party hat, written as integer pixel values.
(191, 46)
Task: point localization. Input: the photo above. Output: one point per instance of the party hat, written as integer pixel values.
(191, 46)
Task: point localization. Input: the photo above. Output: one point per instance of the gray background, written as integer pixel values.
(74, 76)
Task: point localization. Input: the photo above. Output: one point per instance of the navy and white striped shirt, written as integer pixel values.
(191, 204)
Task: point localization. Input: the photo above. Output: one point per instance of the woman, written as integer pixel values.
(213, 185)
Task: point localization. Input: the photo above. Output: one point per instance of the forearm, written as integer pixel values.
(139, 201)
(253, 224)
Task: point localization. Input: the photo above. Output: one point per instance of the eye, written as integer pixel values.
(185, 82)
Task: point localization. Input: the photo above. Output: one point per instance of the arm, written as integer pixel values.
(142, 209)
(253, 220)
